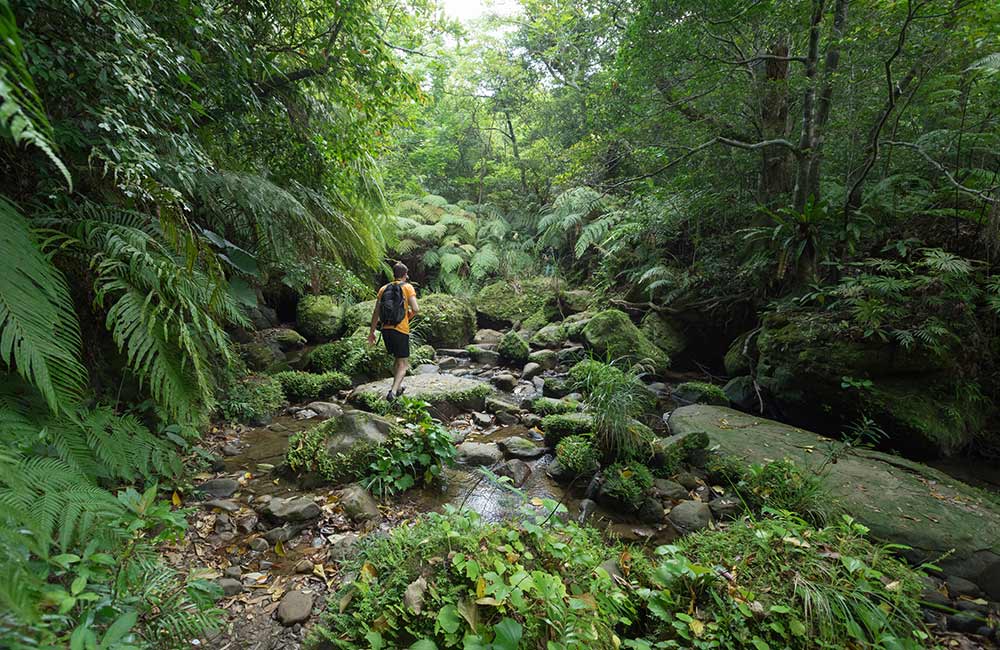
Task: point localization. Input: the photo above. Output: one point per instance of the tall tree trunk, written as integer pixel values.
(825, 103)
(775, 178)
(807, 138)
(517, 155)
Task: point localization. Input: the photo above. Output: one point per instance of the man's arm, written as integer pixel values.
(371, 330)
(412, 305)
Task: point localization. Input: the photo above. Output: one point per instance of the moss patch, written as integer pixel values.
(700, 392)
(445, 321)
(319, 318)
(664, 333)
(501, 304)
(559, 425)
(549, 406)
(611, 334)
(577, 455)
(513, 348)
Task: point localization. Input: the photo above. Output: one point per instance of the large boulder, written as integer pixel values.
(319, 318)
(820, 375)
(513, 349)
(612, 334)
(445, 321)
(448, 395)
(501, 304)
(940, 519)
(358, 315)
(663, 332)
(339, 449)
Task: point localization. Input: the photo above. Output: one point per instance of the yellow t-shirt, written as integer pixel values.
(408, 292)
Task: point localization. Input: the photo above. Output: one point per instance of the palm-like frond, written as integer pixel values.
(39, 333)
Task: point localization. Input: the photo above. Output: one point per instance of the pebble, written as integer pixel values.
(230, 449)
(303, 566)
(230, 586)
(259, 544)
(233, 572)
(295, 607)
(220, 488)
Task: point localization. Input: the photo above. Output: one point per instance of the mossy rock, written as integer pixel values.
(552, 335)
(501, 304)
(448, 395)
(301, 386)
(340, 449)
(358, 315)
(574, 301)
(700, 392)
(822, 376)
(577, 455)
(513, 348)
(611, 334)
(941, 519)
(573, 325)
(547, 359)
(319, 318)
(738, 362)
(663, 332)
(625, 485)
(284, 337)
(549, 406)
(261, 356)
(445, 321)
(559, 425)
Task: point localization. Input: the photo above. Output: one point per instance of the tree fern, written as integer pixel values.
(39, 333)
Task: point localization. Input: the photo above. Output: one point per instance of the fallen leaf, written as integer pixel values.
(368, 572)
(176, 499)
(279, 549)
(480, 587)
(536, 501)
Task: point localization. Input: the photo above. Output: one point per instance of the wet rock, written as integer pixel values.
(557, 472)
(291, 509)
(507, 418)
(230, 449)
(233, 572)
(530, 370)
(277, 427)
(556, 387)
(447, 363)
(259, 544)
(343, 546)
(726, 507)
(687, 479)
(741, 392)
(504, 381)
(517, 470)
(230, 587)
(538, 383)
(587, 509)
(657, 388)
(959, 587)
(487, 336)
(570, 355)
(413, 597)
(325, 410)
(669, 489)
(965, 622)
(531, 419)
(304, 414)
(691, 516)
(225, 505)
(479, 453)
(651, 511)
(295, 607)
(518, 447)
(482, 419)
(460, 353)
(483, 356)
(219, 488)
(358, 504)
(427, 369)
(546, 359)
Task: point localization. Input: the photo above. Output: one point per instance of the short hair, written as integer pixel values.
(399, 271)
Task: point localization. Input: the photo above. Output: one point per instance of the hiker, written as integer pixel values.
(395, 306)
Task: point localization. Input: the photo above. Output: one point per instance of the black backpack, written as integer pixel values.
(392, 307)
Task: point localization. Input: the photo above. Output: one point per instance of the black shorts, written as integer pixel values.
(397, 343)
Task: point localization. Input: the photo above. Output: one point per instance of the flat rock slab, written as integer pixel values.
(901, 501)
(448, 395)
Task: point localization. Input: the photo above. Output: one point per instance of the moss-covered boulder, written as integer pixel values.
(573, 301)
(262, 356)
(663, 332)
(552, 335)
(700, 392)
(941, 519)
(445, 321)
(559, 425)
(501, 304)
(551, 405)
(513, 349)
(741, 355)
(573, 325)
(358, 315)
(286, 339)
(611, 334)
(319, 318)
(340, 449)
(820, 374)
(448, 395)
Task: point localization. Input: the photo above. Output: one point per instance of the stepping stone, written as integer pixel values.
(448, 395)
(691, 516)
(517, 470)
(479, 453)
(358, 504)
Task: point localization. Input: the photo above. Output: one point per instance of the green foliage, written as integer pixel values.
(616, 398)
(577, 454)
(781, 485)
(417, 456)
(729, 589)
(538, 573)
(252, 399)
(301, 386)
(627, 483)
(513, 348)
(353, 357)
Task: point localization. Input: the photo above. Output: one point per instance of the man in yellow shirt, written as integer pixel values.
(395, 306)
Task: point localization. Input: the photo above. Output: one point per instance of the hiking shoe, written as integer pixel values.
(399, 393)
(389, 397)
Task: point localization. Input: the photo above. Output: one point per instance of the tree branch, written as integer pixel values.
(983, 195)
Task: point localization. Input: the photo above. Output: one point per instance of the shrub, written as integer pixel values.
(355, 358)
(301, 386)
(781, 485)
(616, 397)
(549, 406)
(513, 348)
(418, 455)
(627, 483)
(577, 455)
(559, 425)
(523, 584)
(252, 399)
(792, 587)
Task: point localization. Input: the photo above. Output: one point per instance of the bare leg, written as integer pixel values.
(399, 373)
